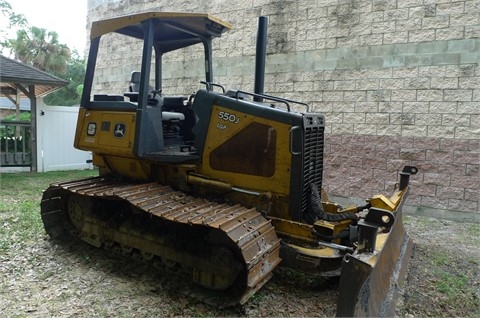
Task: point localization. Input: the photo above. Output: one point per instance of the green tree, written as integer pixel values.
(14, 20)
(70, 94)
(34, 46)
(40, 48)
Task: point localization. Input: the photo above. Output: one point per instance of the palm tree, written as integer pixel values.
(40, 48)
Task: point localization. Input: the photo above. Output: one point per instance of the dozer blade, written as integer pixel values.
(370, 281)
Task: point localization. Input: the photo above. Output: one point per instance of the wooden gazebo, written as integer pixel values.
(20, 80)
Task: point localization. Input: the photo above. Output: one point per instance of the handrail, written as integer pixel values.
(15, 123)
(274, 98)
(209, 86)
(15, 146)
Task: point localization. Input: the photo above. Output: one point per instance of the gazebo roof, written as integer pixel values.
(14, 73)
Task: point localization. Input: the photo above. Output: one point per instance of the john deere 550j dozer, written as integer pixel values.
(224, 184)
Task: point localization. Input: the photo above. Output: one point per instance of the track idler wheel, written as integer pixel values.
(219, 280)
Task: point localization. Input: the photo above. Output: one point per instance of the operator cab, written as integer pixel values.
(162, 123)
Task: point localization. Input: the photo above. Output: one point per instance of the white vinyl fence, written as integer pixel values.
(56, 132)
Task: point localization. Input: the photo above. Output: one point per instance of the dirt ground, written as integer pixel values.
(45, 278)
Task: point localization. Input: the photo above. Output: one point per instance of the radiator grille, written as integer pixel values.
(312, 156)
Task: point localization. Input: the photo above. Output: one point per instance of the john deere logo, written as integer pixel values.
(119, 131)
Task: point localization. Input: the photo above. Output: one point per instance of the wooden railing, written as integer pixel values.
(15, 143)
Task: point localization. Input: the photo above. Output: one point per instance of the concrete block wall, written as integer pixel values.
(398, 81)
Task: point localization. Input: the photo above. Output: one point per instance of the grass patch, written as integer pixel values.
(20, 196)
(441, 258)
(419, 220)
(452, 282)
(448, 280)
(452, 285)
(472, 232)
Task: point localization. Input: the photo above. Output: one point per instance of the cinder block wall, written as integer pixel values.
(398, 81)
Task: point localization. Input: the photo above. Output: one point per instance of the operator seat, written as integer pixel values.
(134, 82)
(154, 98)
(134, 87)
(171, 116)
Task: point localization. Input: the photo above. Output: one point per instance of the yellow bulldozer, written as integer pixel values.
(225, 184)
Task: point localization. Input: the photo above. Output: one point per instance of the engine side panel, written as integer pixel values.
(260, 147)
(246, 150)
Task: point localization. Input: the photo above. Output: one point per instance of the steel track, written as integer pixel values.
(224, 247)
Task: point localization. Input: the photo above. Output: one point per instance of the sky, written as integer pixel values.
(66, 17)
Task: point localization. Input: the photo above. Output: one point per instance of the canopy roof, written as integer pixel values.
(15, 75)
(173, 30)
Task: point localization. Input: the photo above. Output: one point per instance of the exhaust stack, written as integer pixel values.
(260, 56)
